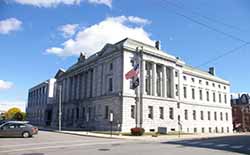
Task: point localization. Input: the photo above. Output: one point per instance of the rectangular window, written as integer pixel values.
(194, 115)
(132, 111)
(215, 116)
(171, 113)
(200, 94)
(186, 114)
(225, 98)
(150, 112)
(193, 93)
(219, 98)
(221, 116)
(208, 96)
(83, 114)
(161, 113)
(226, 116)
(106, 112)
(214, 99)
(111, 66)
(176, 90)
(208, 115)
(202, 116)
(110, 84)
(185, 92)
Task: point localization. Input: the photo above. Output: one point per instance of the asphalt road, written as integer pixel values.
(49, 143)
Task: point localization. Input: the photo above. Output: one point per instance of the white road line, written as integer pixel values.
(222, 145)
(58, 146)
(55, 142)
(236, 146)
(206, 144)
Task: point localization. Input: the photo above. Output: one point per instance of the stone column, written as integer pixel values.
(172, 79)
(154, 80)
(143, 80)
(164, 82)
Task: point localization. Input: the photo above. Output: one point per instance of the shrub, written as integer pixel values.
(137, 131)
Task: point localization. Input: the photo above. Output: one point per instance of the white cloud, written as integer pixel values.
(105, 2)
(5, 84)
(5, 105)
(54, 3)
(94, 37)
(68, 29)
(9, 25)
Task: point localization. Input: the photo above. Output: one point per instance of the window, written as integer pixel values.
(226, 116)
(207, 95)
(132, 111)
(106, 112)
(225, 98)
(184, 77)
(214, 99)
(178, 105)
(219, 86)
(176, 74)
(202, 130)
(195, 130)
(186, 114)
(202, 116)
(200, 94)
(213, 85)
(220, 98)
(215, 116)
(194, 115)
(192, 79)
(171, 113)
(161, 113)
(185, 92)
(111, 66)
(110, 84)
(225, 87)
(207, 83)
(150, 114)
(210, 130)
(193, 93)
(221, 116)
(176, 90)
(208, 115)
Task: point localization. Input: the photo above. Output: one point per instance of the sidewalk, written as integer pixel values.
(146, 137)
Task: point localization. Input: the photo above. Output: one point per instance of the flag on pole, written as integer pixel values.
(133, 72)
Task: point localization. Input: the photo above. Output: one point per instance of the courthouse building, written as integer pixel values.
(171, 96)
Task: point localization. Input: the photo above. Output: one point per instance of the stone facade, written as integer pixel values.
(171, 94)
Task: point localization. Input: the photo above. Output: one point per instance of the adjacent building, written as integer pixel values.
(40, 102)
(241, 112)
(171, 96)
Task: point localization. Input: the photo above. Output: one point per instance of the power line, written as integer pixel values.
(180, 6)
(207, 26)
(224, 54)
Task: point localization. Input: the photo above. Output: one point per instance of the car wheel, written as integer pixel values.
(26, 134)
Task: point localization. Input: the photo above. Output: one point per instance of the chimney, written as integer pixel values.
(211, 70)
(158, 45)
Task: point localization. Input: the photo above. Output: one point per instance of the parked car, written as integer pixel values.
(17, 129)
(2, 121)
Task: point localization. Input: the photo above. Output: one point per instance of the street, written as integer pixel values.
(49, 143)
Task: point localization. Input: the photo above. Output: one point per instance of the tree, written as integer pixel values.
(18, 116)
(11, 113)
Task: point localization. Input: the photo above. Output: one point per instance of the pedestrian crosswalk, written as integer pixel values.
(213, 145)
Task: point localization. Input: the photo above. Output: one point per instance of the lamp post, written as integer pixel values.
(60, 109)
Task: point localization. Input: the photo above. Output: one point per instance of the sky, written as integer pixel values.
(38, 37)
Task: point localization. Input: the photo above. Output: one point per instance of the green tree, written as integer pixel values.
(11, 113)
(18, 116)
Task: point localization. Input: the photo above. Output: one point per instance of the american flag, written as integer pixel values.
(133, 72)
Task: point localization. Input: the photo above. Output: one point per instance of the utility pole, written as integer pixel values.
(60, 109)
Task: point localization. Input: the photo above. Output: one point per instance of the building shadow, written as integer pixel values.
(237, 144)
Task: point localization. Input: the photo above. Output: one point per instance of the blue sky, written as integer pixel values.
(39, 37)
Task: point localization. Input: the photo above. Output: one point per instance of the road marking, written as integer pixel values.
(206, 144)
(236, 146)
(59, 146)
(55, 142)
(222, 145)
